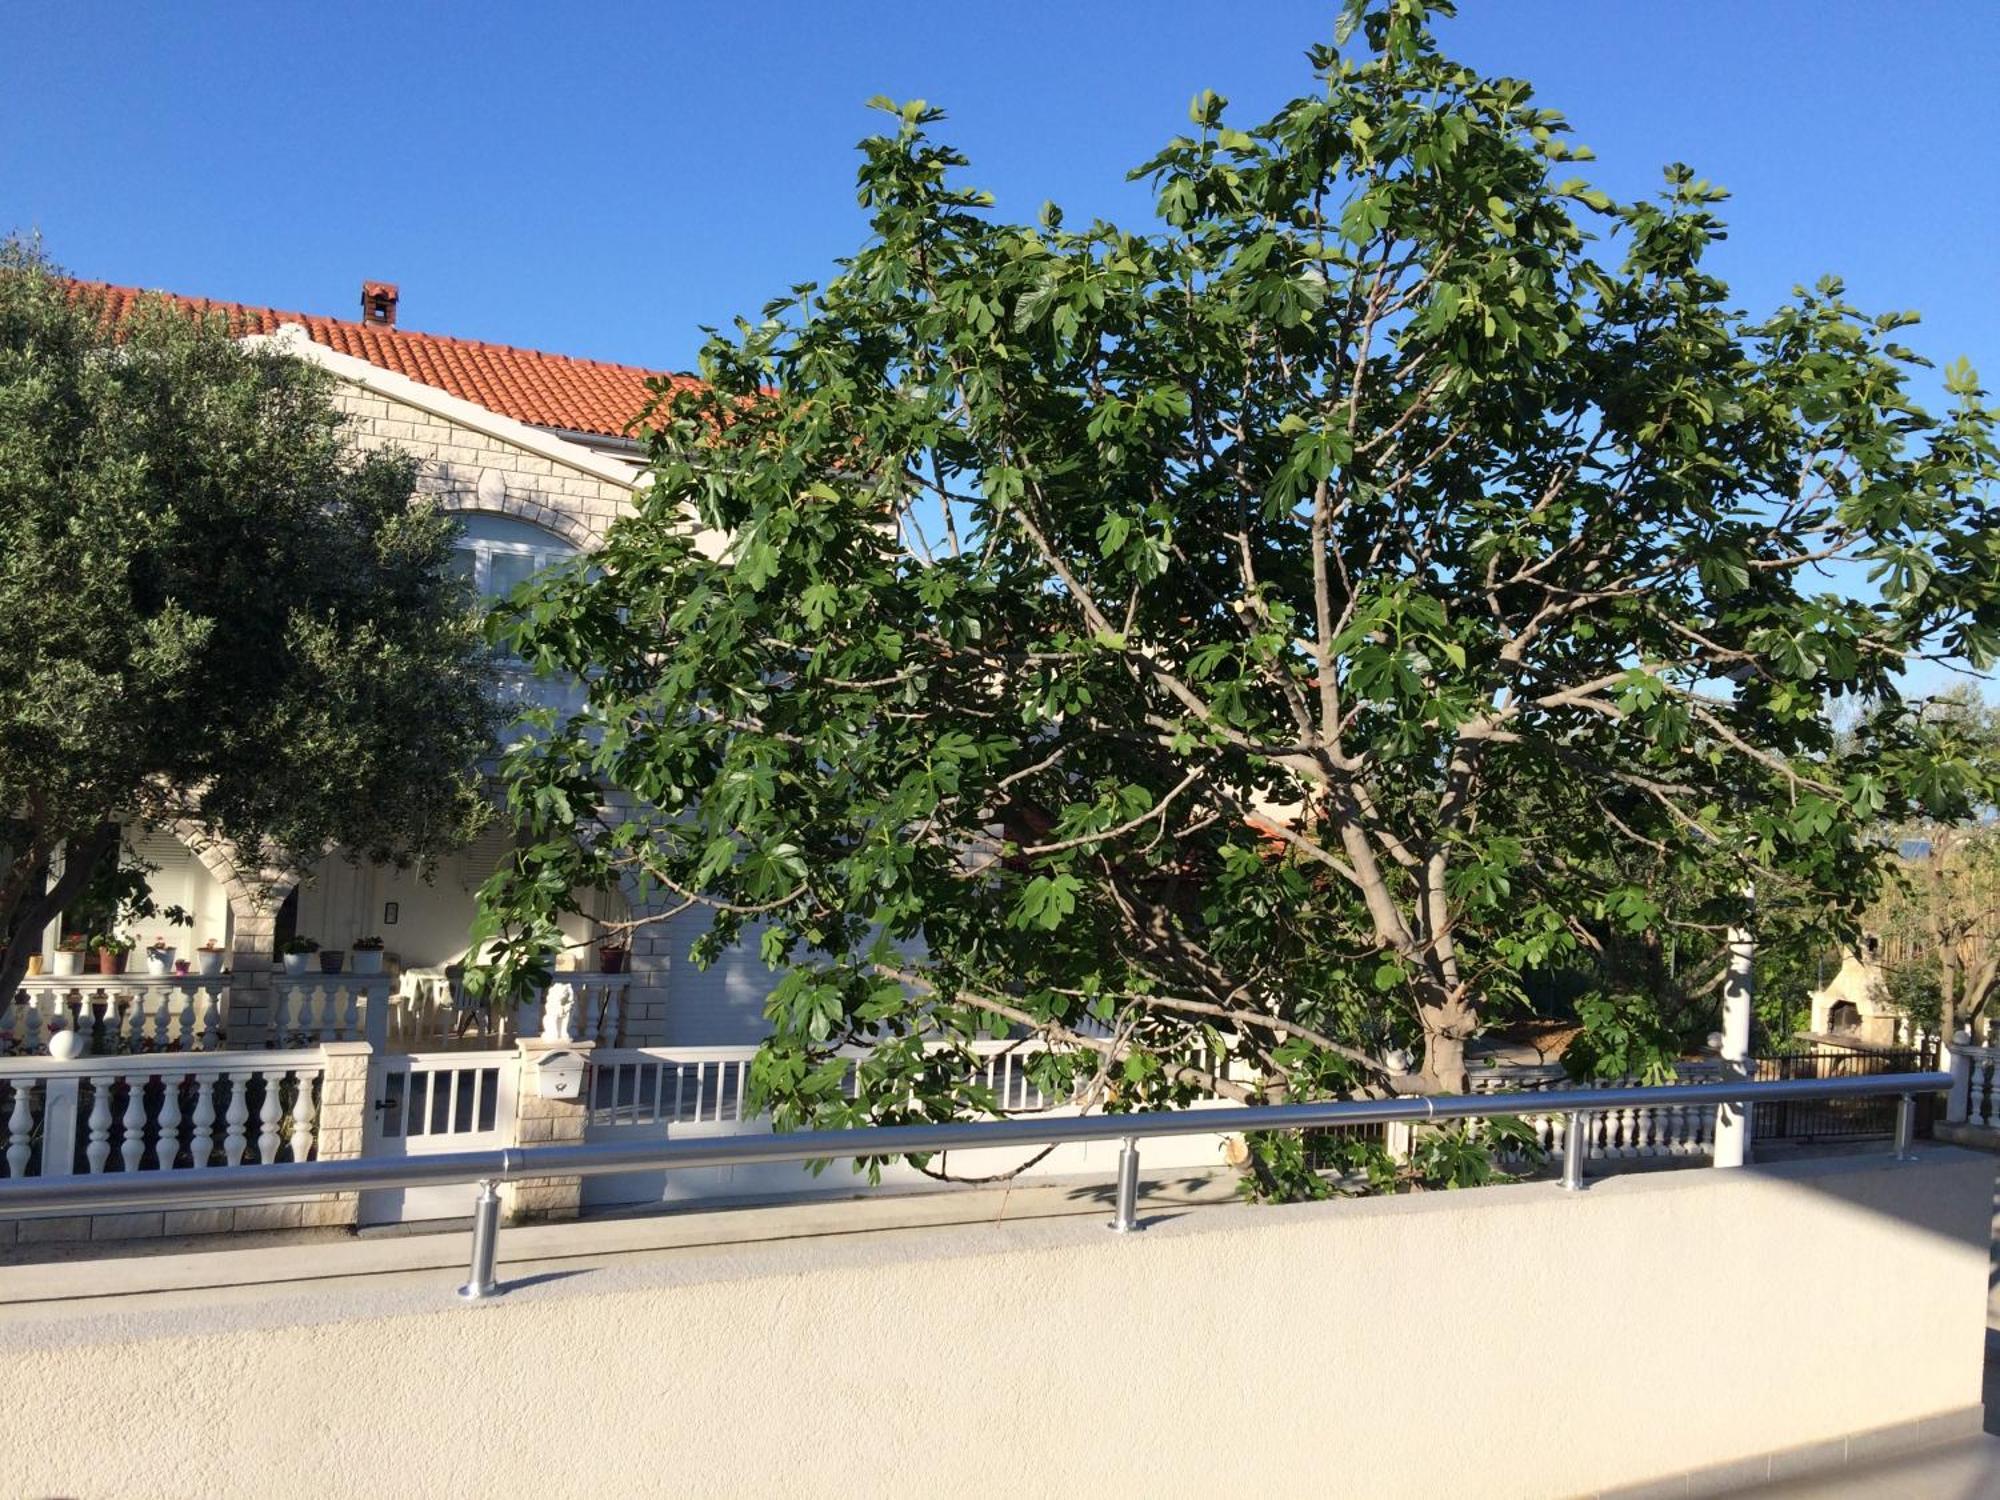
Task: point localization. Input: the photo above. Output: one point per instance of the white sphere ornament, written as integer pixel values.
(66, 1044)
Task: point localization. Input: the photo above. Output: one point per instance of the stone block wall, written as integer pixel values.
(470, 470)
(544, 1122)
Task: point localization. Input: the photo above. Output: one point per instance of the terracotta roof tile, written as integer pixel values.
(543, 390)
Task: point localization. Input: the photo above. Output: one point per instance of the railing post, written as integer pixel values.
(375, 1013)
(1958, 1104)
(1127, 1219)
(59, 1105)
(1733, 1121)
(485, 1242)
(1906, 1127)
(1576, 1146)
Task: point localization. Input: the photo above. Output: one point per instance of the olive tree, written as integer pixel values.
(1231, 653)
(215, 612)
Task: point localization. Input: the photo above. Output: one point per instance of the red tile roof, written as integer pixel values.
(543, 390)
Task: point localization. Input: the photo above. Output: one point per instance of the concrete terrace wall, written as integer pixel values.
(1511, 1341)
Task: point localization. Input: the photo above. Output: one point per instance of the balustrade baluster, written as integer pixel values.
(268, 1116)
(132, 1143)
(236, 1117)
(167, 1134)
(98, 1151)
(20, 1131)
(305, 1117)
(201, 1141)
(350, 1012)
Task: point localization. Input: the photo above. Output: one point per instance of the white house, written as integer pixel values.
(532, 451)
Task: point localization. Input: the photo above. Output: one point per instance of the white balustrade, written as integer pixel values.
(311, 1008)
(1975, 1095)
(119, 1013)
(1651, 1133)
(429, 1013)
(709, 1085)
(157, 1112)
(18, 1132)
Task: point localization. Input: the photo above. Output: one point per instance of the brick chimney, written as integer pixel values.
(378, 303)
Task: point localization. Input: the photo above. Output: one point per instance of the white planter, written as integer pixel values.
(160, 962)
(66, 1044)
(209, 960)
(66, 962)
(365, 961)
(295, 963)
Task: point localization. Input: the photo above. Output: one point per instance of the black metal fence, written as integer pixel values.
(1811, 1120)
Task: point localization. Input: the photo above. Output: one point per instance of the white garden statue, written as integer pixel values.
(559, 1014)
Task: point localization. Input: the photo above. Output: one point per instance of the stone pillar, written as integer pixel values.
(344, 1101)
(1739, 988)
(253, 991)
(545, 1122)
(1958, 1062)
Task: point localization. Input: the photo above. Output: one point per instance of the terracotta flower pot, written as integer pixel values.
(611, 960)
(109, 962)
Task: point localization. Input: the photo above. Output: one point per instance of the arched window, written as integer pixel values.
(497, 554)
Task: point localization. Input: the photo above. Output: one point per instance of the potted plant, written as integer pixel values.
(159, 958)
(611, 957)
(69, 953)
(298, 954)
(209, 957)
(111, 953)
(367, 955)
(329, 960)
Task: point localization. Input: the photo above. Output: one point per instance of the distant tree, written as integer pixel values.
(1940, 918)
(1232, 652)
(214, 609)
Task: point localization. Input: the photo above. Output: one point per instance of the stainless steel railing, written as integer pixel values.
(141, 1190)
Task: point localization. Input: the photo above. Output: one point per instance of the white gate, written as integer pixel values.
(429, 1103)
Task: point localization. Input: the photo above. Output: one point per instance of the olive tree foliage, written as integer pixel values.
(1230, 653)
(215, 613)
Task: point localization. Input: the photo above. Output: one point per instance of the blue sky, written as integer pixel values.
(603, 184)
(603, 179)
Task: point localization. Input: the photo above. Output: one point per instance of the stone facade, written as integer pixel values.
(469, 465)
(466, 469)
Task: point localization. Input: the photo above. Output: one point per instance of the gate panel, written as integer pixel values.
(427, 1104)
(1813, 1120)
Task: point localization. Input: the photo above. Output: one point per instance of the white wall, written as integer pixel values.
(720, 1006)
(342, 901)
(180, 880)
(1513, 1341)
